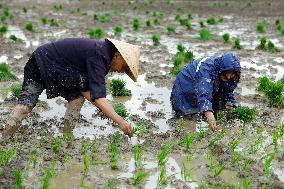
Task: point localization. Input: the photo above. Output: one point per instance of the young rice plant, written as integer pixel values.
(117, 88)
(5, 73)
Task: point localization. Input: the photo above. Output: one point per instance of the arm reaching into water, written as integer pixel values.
(211, 121)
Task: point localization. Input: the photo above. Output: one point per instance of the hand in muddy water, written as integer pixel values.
(215, 128)
(127, 129)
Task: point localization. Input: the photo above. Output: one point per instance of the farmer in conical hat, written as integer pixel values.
(206, 85)
(75, 69)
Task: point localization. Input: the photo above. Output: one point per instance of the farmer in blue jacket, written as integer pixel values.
(75, 69)
(206, 85)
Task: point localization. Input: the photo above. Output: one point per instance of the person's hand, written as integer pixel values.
(211, 121)
(126, 128)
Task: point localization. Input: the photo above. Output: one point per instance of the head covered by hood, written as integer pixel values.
(229, 62)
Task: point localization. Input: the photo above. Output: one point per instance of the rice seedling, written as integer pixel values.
(246, 164)
(180, 59)
(136, 24)
(44, 20)
(5, 73)
(205, 34)
(260, 27)
(110, 184)
(237, 44)
(96, 33)
(201, 23)
(113, 149)
(148, 23)
(16, 39)
(6, 156)
(226, 37)
(53, 22)
(25, 10)
(163, 155)
(121, 110)
(75, 10)
(105, 18)
(19, 179)
(56, 144)
(86, 163)
(117, 88)
(234, 144)
(171, 30)
(245, 183)
(279, 27)
(185, 174)
(156, 21)
(267, 164)
(69, 138)
(138, 157)
(57, 7)
(218, 170)
(271, 90)
(187, 141)
(140, 177)
(156, 39)
(177, 17)
(181, 125)
(254, 148)
(262, 44)
(235, 158)
(16, 90)
(163, 176)
(271, 47)
(277, 22)
(281, 130)
(46, 178)
(189, 16)
(140, 129)
(29, 26)
(118, 30)
(3, 29)
(245, 114)
(211, 20)
(217, 138)
(276, 136)
(249, 3)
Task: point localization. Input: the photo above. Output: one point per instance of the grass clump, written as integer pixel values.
(245, 114)
(271, 47)
(96, 33)
(117, 88)
(118, 30)
(56, 145)
(19, 180)
(226, 37)
(5, 73)
(237, 44)
(267, 45)
(163, 155)
(136, 24)
(16, 39)
(16, 90)
(182, 57)
(205, 34)
(260, 27)
(3, 29)
(156, 39)
(171, 30)
(140, 129)
(140, 177)
(262, 44)
(211, 20)
(272, 90)
(6, 156)
(121, 110)
(113, 149)
(29, 26)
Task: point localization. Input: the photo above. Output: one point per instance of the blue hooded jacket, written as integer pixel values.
(199, 82)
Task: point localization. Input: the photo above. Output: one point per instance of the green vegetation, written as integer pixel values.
(96, 33)
(121, 110)
(117, 88)
(267, 164)
(56, 145)
(272, 90)
(136, 24)
(5, 73)
(29, 26)
(118, 30)
(163, 176)
(262, 44)
(185, 173)
(163, 155)
(171, 30)
(140, 129)
(267, 45)
(271, 47)
(6, 156)
(156, 39)
(182, 57)
(226, 37)
(211, 20)
(3, 29)
(187, 141)
(113, 149)
(57, 7)
(185, 22)
(19, 180)
(205, 34)
(16, 39)
(105, 18)
(245, 114)
(140, 177)
(16, 90)
(148, 23)
(48, 173)
(237, 44)
(44, 20)
(201, 23)
(260, 27)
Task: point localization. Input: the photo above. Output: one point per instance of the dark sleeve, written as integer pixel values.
(229, 88)
(204, 90)
(96, 76)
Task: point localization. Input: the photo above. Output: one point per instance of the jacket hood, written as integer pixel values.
(229, 62)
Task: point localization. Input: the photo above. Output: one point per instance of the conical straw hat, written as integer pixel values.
(131, 55)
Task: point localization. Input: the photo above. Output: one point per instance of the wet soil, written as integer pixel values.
(149, 102)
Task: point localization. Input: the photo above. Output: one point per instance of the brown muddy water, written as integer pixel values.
(149, 102)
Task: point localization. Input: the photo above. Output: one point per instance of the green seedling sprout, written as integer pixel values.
(16, 90)
(53, 22)
(181, 125)
(138, 157)
(235, 158)
(188, 140)
(273, 91)
(201, 23)
(218, 170)
(121, 110)
(279, 27)
(171, 30)
(260, 27)
(163, 176)
(245, 114)
(136, 24)
(140, 177)
(110, 184)
(19, 179)
(156, 39)
(267, 164)
(156, 21)
(237, 44)
(262, 44)
(180, 59)
(246, 164)
(96, 33)
(205, 34)
(271, 47)
(245, 183)
(217, 138)
(226, 37)
(5, 73)
(86, 163)
(118, 30)
(16, 39)
(113, 149)
(189, 16)
(3, 29)
(181, 48)
(140, 129)
(163, 155)
(148, 23)
(58, 7)
(105, 18)
(234, 144)
(6, 156)
(75, 10)
(211, 20)
(69, 138)
(277, 22)
(29, 27)
(185, 173)
(254, 148)
(56, 145)
(249, 4)
(177, 17)
(276, 136)
(44, 20)
(117, 88)
(46, 178)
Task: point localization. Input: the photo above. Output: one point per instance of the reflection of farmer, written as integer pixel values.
(203, 84)
(75, 69)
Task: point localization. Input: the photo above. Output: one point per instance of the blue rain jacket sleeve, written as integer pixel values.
(97, 70)
(204, 90)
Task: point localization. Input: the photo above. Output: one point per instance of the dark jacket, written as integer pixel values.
(72, 65)
(199, 82)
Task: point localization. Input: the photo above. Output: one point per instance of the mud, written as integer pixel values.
(149, 102)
